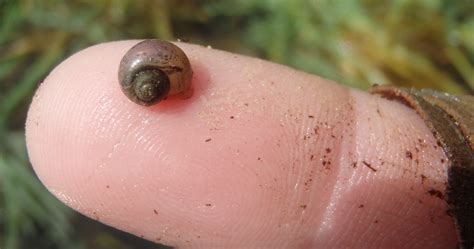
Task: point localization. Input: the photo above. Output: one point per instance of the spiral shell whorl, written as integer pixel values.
(153, 70)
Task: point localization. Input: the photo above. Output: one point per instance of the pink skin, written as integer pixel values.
(261, 156)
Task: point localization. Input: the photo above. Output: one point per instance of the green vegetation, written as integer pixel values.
(425, 43)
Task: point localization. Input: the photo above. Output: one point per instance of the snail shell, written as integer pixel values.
(153, 70)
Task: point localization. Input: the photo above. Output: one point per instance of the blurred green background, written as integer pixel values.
(425, 43)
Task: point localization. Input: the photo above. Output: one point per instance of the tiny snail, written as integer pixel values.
(153, 70)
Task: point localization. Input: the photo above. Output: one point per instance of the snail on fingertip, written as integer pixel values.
(154, 70)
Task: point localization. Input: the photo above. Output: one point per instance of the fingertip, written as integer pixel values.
(180, 167)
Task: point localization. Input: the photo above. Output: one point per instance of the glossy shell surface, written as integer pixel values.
(153, 70)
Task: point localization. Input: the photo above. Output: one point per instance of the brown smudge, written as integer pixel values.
(208, 140)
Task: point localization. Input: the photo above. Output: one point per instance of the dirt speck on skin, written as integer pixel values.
(96, 216)
(408, 154)
(208, 205)
(208, 140)
(310, 116)
(354, 164)
(326, 164)
(316, 130)
(155, 212)
(423, 178)
(435, 193)
(231, 117)
(369, 166)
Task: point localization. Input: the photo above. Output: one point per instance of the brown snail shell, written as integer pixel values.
(153, 70)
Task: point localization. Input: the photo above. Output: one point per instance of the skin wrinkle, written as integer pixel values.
(343, 157)
(326, 155)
